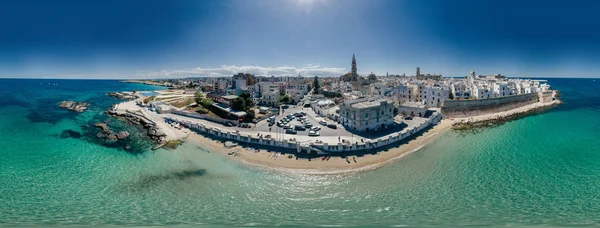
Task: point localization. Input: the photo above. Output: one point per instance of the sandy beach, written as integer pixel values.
(335, 165)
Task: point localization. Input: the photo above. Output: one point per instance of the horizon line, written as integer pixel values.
(125, 79)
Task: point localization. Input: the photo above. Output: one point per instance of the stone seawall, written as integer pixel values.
(311, 146)
(476, 107)
(214, 119)
(499, 117)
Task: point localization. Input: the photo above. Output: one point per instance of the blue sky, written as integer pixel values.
(136, 39)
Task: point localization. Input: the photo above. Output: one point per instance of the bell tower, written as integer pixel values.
(354, 72)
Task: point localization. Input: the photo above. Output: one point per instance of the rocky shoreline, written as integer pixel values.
(153, 131)
(109, 135)
(479, 121)
(123, 95)
(74, 106)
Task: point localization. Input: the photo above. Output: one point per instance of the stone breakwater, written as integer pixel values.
(467, 122)
(152, 129)
(74, 106)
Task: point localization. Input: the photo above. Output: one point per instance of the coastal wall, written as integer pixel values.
(307, 147)
(412, 110)
(547, 96)
(204, 117)
(475, 107)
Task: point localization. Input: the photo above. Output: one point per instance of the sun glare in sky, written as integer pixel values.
(308, 5)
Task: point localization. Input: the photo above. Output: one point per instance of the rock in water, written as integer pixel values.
(102, 126)
(70, 134)
(123, 95)
(74, 106)
(101, 135)
(122, 135)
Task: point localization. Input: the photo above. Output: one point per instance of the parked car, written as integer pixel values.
(280, 124)
(299, 128)
(315, 128)
(332, 126)
(313, 133)
(245, 125)
(291, 131)
(287, 126)
(322, 122)
(272, 119)
(303, 113)
(271, 123)
(298, 114)
(228, 124)
(308, 124)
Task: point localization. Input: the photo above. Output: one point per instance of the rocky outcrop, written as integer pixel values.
(502, 117)
(122, 135)
(172, 144)
(153, 131)
(108, 135)
(123, 95)
(74, 106)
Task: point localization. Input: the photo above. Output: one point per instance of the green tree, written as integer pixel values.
(238, 104)
(251, 114)
(285, 99)
(248, 102)
(207, 102)
(316, 85)
(198, 96)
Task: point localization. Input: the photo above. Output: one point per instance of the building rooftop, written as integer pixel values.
(366, 104)
(230, 97)
(229, 110)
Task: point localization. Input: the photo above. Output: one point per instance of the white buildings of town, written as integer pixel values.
(360, 102)
(412, 95)
(366, 115)
(271, 98)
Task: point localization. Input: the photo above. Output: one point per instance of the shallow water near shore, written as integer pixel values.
(541, 170)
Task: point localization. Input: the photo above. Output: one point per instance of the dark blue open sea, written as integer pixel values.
(540, 170)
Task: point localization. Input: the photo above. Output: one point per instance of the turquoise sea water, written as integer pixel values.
(541, 170)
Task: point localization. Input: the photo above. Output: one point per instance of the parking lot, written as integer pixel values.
(311, 116)
(325, 131)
